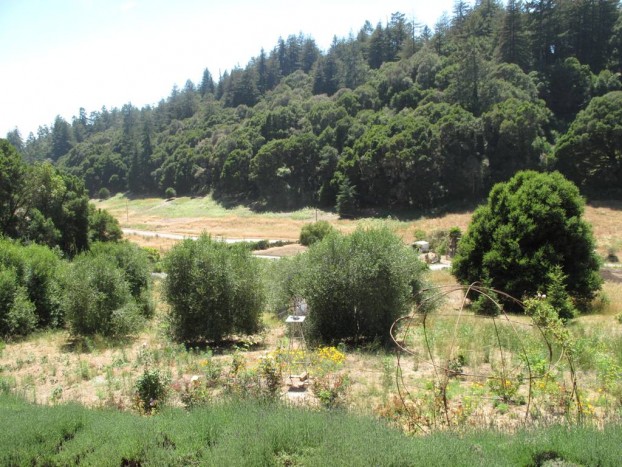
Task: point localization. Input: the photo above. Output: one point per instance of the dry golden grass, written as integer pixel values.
(606, 221)
(193, 216)
(609, 303)
(159, 243)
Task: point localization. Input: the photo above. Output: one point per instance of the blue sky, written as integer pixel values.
(59, 55)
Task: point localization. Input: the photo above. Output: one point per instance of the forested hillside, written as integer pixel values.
(398, 115)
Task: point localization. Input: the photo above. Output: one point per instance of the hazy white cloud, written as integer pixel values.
(128, 6)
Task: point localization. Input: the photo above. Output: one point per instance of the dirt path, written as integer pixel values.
(174, 236)
(165, 240)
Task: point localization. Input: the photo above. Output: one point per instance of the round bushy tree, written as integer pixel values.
(590, 153)
(530, 227)
(314, 232)
(97, 298)
(358, 285)
(37, 269)
(214, 289)
(134, 262)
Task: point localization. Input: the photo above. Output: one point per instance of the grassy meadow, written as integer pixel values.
(192, 216)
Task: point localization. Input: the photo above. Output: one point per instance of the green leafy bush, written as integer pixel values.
(214, 289)
(557, 296)
(97, 298)
(357, 285)
(485, 304)
(37, 270)
(151, 390)
(170, 192)
(282, 282)
(17, 312)
(314, 232)
(530, 226)
(103, 193)
(103, 227)
(44, 269)
(134, 262)
(154, 258)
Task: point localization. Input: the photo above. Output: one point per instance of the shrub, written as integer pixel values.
(331, 390)
(485, 304)
(214, 289)
(103, 193)
(557, 296)
(37, 269)
(439, 241)
(346, 201)
(103, 227)
(97, 298)
(17, 312)
(357, 285)
(170, 193)
(151, 390)
(530, 225)
(134, 262)
(283, 282)
(314, 232)
(154, 259)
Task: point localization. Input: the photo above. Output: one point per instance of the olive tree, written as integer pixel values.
(213, 289)
(134, 262)
(37, 270)
(97, 298)
(358, 285)
(530, 231)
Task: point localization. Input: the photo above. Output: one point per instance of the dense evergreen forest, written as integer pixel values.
(399, 115)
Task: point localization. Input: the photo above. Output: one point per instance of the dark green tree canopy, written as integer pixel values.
(530, 225)
(590, 153)
(40, 203)
(13, 194)
(288, 128)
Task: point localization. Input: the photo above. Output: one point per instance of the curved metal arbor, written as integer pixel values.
(414, 335)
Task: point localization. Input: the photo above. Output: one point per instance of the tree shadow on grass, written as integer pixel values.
(90, 344)
(227, 346)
